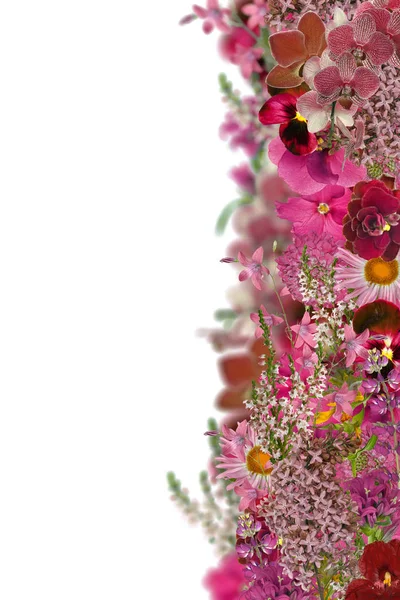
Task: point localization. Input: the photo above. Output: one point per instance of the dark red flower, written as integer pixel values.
(382, 318)
(371, 226)
(281, 109)
(380, 565)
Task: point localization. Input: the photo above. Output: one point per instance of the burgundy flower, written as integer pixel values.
(347, 80)
(362, 39)
(281, 109)
(380, 565)
(371, 226)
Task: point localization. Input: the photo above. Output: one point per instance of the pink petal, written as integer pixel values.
(347, 66)
(379, 48)
(310, 69)
(365, 82)
(328, 81)
(341, 39)
(394, 23)
(243, 275)
(363, 27)
(199, 11)
(258, 255)
(243, 260)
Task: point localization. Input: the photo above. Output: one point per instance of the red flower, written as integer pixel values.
(372, 224)
(380, 565)
(281, 109)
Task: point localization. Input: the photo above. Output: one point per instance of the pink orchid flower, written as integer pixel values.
(270, 320)
(319, 115)
(213, 16)
(362, 39)
(254, 270)
(256, 12)
(354, 345)
(345, 80)
(305, 331)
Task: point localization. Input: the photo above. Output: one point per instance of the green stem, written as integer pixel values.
(330, 135)
(320, 588)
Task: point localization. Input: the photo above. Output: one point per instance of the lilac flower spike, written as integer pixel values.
(254, 270)
(347, 80)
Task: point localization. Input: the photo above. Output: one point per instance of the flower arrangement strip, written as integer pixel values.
(302, 493)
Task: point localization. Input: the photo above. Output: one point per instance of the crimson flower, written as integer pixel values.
(371, 226)
(380, 565)
(281, 109)
(362, 39)
(345, 80)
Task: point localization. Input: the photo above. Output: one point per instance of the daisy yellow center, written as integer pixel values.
(388, 579)
(323, 208)
(257, 460)
(300, 117)
(381, 272)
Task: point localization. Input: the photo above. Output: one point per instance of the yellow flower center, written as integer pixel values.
(388, 579)
(300, 117)
(257, 460)
(387, 227)
(379, 271)
(387, 351)
(323, 208)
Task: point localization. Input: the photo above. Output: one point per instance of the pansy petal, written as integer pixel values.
(297, 138)
(278, 109)
(288, 47)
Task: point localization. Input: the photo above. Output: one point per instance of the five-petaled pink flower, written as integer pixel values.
(354, 344)
(256, 12)
(254, 270)
(270, 320)
(362, 39)
(213, 16)
(305, 331)
(347, 80)
(341, 400)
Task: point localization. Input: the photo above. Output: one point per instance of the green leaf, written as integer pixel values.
(224, 313)
(370, 444)
(228, 211)
(358, 419)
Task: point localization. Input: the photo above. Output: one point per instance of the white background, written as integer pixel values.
(111, 178)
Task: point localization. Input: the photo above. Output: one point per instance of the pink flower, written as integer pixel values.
(305, 331)
(362, 39)
(270, 320)
(249, 496)
(354, 345)
(345, 80)
(248, 60)
(256, 12)
(309, 174)
(213, 16)
(318, 115)
(243, 176)
(341, 400)
(226, 581)
(387, 23)
(254, 268)
(282, 109)
(307, 360)
(321, 212)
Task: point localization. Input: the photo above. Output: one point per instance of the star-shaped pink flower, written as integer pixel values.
(270, 320)
(354, 344)
(305, 331)
(254, 270)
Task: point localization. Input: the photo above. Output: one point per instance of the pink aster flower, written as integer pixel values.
(362, 39)
(270, 320)
(213, 16)
(346, 80)
(354, 345)
(319, 115)
(310, 173)
(322, 212)
(245, 461)
(305, 331)
(256, 12)
(254, 270)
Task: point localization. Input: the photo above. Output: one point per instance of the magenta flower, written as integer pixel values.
(307, 360)
(345, 80)
(341, 401)
(309, 174)
(281, 109)
(305, 331)
(256, 12)
(243, 176)
(227, 580)
(254, 270)
(354, 345)
(270, 320)
(213, 16)
(249, 496)
(362, 39)
(321, 212)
